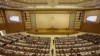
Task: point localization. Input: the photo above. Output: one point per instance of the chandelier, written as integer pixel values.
(52, 3)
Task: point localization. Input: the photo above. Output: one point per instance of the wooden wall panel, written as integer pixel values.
(13, 27)
(91, 27)
(2, 27)
(2, 20)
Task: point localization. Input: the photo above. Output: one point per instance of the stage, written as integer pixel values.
(53, 31)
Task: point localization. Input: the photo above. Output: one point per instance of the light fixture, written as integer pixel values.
(52, 3)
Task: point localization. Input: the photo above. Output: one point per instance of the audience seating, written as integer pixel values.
(91, 38)
(82, 45)
(26, 45)
(21, 45)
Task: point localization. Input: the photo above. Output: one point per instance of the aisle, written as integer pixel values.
(52, 46)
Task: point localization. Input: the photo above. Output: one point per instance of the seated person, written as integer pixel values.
(34, 55)
(78, 54)
(4, 44)
(0, 34)
(71, 55)
(28, 36)
(93, 53)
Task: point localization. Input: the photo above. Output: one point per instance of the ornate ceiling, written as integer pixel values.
(50, 4)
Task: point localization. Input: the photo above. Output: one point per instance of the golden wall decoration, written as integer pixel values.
(52, 17)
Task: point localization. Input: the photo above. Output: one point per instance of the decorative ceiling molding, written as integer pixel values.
(49, 4)
(52, 3)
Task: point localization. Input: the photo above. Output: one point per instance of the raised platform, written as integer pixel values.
(53, 31)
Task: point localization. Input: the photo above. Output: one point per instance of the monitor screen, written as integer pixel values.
(14, 18)
(91, 19)
(1, 33)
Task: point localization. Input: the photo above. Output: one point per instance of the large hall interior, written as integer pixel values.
(49, 27)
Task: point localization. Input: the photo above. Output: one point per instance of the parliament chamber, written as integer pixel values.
(49, 27)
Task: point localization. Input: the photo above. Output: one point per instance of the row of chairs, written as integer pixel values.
(24, 45)
(91, 38)
(75, 46)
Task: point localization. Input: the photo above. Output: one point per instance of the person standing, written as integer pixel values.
(52, 52)
(53, 42)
